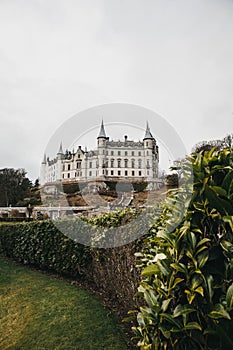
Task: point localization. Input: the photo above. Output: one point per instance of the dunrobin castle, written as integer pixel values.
(111, 161)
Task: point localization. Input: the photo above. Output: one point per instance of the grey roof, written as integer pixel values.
(102, 131)
(148, 134)
(124, 144)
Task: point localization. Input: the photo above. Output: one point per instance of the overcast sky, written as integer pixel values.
(59, 57)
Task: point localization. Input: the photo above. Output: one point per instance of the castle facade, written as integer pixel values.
(112, 160)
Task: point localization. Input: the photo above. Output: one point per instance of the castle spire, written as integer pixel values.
(148, 134)
(60, 149)
(44, 159)
(102, 131)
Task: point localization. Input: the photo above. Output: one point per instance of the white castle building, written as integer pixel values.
(111, 161)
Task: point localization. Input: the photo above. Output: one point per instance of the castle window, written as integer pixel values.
(112, 163)
(118, 163)
(126, 163)
(119, 173)
(90, 165)
(68, 167)
(126, 173)
(147, 153)
(80, 173)
(78, 155)
(132, 153)
(90, 173)
(133, 163)
(133, 173)
(78, 165)
(119, 153)
(112, 173)
(126, 153)
(139, 153)
(112, 153)
(68, 175)
(106, 164)
(146, 144)
(63, 176)
(140, 173)
(148, 163)
(148, 173)
(139, 163)
(106, 153)
(103, 172)
(106, 172)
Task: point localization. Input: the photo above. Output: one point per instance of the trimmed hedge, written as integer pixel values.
(41, 244)
(111, 272)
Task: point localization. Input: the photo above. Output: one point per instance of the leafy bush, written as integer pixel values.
(187, 275)
(114, 219)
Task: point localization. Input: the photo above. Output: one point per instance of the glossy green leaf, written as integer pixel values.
(218, 311)
(203, 241)
(179, 267)
(229, 297)
(202, 259)
(165, 304)
(193, 325)
(150, 270)
(183, 310)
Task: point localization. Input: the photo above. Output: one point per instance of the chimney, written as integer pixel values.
(126, 138)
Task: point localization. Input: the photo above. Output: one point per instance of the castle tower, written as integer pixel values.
(60, 157)
(43, 166)
(151, 154)
(101, 142)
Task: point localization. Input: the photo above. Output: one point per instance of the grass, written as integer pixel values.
(41, 312)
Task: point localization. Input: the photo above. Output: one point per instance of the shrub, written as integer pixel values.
(187, 275)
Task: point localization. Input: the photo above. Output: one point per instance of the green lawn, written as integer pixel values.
(38, 312)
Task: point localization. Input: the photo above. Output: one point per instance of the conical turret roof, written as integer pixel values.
(60, 151)
(102, 131)
(148, 134)
(44, 159)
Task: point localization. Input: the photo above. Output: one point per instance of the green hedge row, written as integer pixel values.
(42, 245)
(111, 272)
